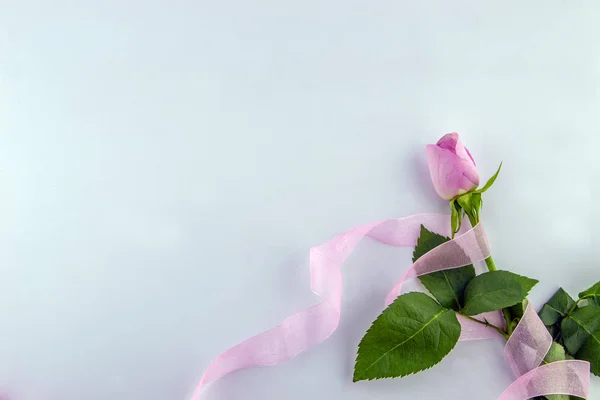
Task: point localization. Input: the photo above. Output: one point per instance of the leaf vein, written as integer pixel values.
(477, 295)
(451, 289)
(585, 328)
(409, 338)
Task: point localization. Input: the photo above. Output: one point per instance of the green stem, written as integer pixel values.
(574, 306)
(490, 263)
(506, 336)
(507, 317)
(474, 219)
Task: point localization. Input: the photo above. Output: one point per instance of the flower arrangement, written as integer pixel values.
(417, 330)
(550, 353)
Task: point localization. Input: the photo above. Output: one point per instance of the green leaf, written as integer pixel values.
(581, 335)
(464, 200)
(456, 217)
(577, 327)
(414, 333)
(471, 203)
(590, 351)
(490, 182)
(553, 330)
(446, 286)
(591, 293)
(476, 201)
(495, 290)
(518, 309)
(556, 308)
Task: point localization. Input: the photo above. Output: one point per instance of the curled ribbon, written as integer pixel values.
(525, 349)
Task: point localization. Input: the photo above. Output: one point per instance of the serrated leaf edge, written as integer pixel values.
(411, 373)
(534, 282)
(423, 230)
(585, 328)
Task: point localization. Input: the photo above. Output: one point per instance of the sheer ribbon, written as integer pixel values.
(525, 349)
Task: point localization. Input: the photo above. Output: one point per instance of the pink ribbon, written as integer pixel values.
(312, 326)
(525, 351)
(571, 377)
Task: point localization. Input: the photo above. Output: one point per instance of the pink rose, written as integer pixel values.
(452, 168)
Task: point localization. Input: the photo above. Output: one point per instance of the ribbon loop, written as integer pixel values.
(570, 378)
(528, 344)
(525, 349)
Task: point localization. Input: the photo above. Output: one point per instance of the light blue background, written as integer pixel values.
(166, 165)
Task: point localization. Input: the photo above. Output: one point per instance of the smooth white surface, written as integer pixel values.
(165, 167)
